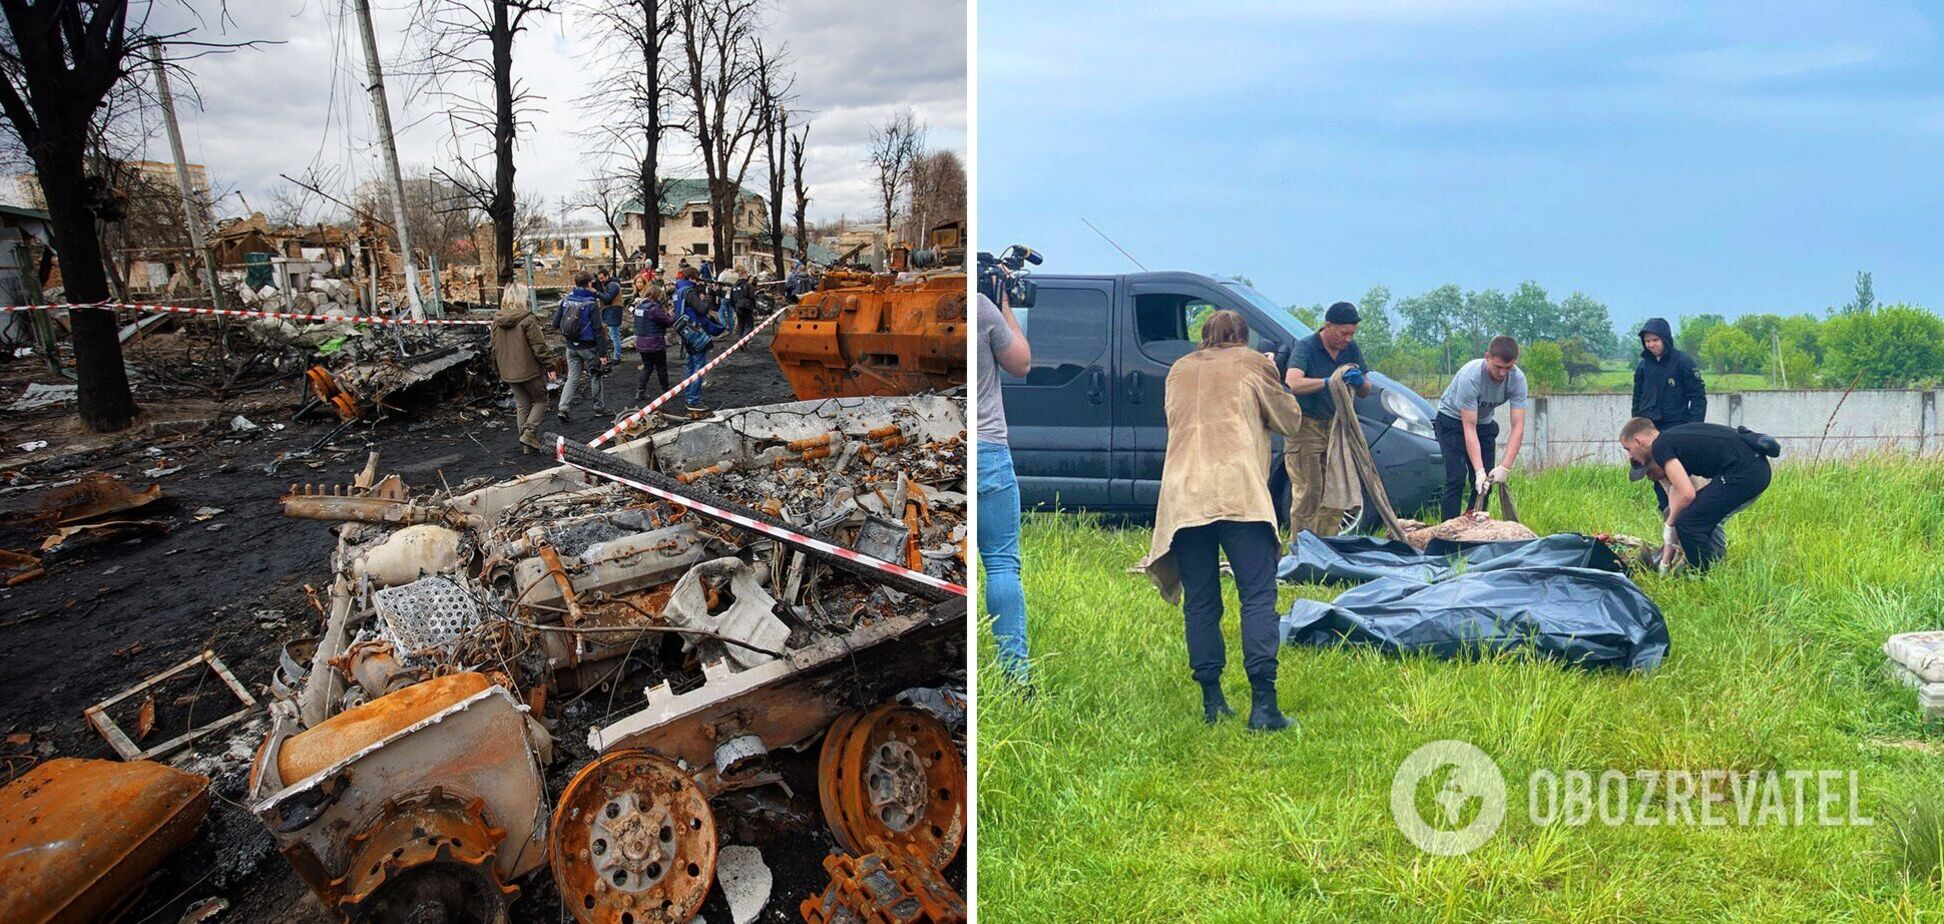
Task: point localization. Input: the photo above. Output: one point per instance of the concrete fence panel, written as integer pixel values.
(1571, 429)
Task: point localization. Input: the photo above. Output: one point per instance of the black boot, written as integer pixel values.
(1263, 714)
(1214, 706)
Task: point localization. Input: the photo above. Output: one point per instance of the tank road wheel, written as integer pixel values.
(894, 773)
(427, 859)
(633, 842)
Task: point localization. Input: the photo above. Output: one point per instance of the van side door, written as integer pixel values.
(1059, 417)
(1162, 325)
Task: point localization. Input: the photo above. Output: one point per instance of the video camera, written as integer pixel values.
(1007, 274)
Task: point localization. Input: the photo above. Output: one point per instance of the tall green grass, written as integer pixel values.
(1106, 799)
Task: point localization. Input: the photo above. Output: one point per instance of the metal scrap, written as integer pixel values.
(98, 717)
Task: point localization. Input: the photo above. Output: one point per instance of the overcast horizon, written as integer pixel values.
(283, 108)
(1661, 159)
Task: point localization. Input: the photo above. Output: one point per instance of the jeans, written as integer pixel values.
(580, 365)
(1251, 549)
(1699, 525)
(614, 337)
(1460, 482)
(998, 531)
(695, 363)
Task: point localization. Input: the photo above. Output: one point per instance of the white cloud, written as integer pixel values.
(282, 108)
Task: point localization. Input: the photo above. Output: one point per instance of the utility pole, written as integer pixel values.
(381, 111)
(191, 203)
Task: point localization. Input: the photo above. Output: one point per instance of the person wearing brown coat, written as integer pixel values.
(1223, 402)
(520, 355)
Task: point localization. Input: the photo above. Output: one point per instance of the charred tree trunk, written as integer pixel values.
(651, 52)
(776, 134)
(67, 57)
(797, 145)
(501, 206)
(104, 400)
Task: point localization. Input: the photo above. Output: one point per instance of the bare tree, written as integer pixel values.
(797, 144)
(606, 194)
(721, 59)
(895, 145)
(632, 96)
(467, 42)
(441, 214)
(937, 194)
(60, 60)
(773, 95)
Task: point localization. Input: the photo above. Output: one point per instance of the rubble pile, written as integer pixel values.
(461, 627)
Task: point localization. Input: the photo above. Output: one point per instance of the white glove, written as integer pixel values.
(1499, 473)
(1668, 538)
(1484, 482)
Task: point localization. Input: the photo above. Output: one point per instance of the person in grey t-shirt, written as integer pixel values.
(1466, 429)
(1001, 345)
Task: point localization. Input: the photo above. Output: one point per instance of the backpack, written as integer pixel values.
(1761, 442)
(693, 337)
(575, 317)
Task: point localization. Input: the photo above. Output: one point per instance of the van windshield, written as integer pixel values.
(1277, 314)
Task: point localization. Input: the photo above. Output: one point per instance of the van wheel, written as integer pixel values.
(1356, 519)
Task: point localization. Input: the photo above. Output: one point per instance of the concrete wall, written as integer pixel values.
(1568, 429)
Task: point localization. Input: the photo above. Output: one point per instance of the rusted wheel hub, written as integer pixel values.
(893, 773)
(429, 859)
(633, 840)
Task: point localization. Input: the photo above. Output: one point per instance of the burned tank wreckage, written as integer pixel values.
(405, 773)
(892, 333)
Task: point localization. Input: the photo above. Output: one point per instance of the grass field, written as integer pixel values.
(1106, 799)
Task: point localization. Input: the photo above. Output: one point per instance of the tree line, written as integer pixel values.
(1859, 344)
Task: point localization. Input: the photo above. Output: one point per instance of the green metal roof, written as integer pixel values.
(679, 192)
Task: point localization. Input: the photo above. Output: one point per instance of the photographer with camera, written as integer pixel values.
(696, 327)
(1002, 345)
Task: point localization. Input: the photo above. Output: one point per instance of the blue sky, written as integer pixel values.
(1663, 158)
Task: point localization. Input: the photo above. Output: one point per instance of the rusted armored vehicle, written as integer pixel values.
(899, 332)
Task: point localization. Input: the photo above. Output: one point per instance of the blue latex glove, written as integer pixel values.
(1354, 378)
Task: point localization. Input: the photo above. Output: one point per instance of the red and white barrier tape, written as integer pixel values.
(652, 406)
(774, 532)
(247, 313)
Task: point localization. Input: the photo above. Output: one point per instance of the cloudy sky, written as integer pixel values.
(1662, 157)
(284, 108)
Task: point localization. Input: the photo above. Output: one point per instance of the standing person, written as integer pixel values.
(651, 320)
(1467, 427)
(693, 310)
(743, 298)
(793, 283)
(1001, 345)
(520, 356)
(608, 290)
(644, 277)
(1667, 387)
(1312, 362)
(1736, 464)
(1223, 401)
(579, 321)
(708, 270)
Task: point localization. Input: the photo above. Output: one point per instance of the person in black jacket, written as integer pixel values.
(1667, 387)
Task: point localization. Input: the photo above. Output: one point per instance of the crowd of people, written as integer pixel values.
(1227, 405)
(691, 307)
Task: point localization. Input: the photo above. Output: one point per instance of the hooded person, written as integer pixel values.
(1667, 387)
(520, 356)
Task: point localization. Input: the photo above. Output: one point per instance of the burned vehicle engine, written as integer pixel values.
(657, 621)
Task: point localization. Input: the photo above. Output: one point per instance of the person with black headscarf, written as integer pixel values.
(1667, 388)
